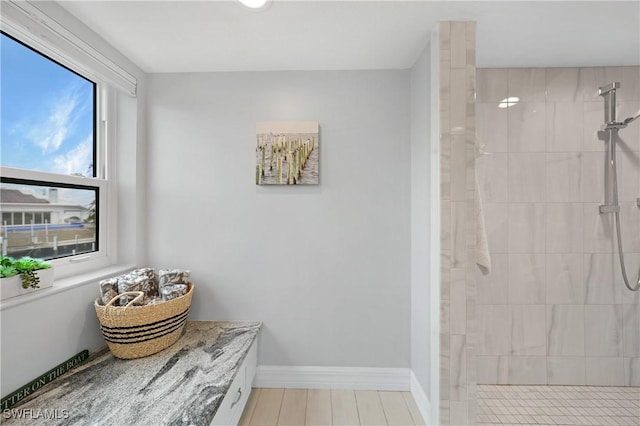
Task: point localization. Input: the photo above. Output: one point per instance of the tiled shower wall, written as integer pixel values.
(555, 310)
(456, 75)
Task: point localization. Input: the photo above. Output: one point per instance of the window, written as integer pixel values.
(52, 184)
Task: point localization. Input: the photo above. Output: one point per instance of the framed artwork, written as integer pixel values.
(287, 153)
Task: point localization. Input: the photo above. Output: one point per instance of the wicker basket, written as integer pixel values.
(139, 331)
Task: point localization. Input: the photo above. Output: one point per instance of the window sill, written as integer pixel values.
(68, 283)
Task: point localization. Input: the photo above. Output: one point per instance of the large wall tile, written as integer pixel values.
(565, 283)
(600, 234)
(491, 127)
(458, 166)
(527, 127)
(631, 371)
(596, 77)
(599, 230)
(593, 120)
(629, 136)
(604, 323)
(445, 166)
(528, 370)
(445, 365)
(493, 176)
(565, 330)
(564, 183)
(629, 78)
(631, 331)
(493, 329)
(629, 227)
(629, 175)
(632, 263)
(445, 225)
(458, 106)
(496, 225)
(472, 373)
(526, 228)
(492, 85)
(564, 124)
(527, 330)
(527, 177)
(563, 84)
(593, 166)
(600, 273)
(591, 79)
(470, 36)
(527, 279)
(566, 370)
(592, 140)
(493, 369)
(458, 45)
(458, 374)
(458, 234)
(458, 299)
(564, 227)
(527, 84)
(493, 288)
(459, 413)
(606, 371)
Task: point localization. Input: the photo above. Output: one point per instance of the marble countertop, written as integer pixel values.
(181, 385)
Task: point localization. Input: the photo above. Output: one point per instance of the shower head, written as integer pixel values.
(632, 118)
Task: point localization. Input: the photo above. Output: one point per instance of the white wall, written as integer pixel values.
(326, 267)
(420, 219)
(40, 334)
(37, 334)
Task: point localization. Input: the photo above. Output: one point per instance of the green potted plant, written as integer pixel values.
(20, 276)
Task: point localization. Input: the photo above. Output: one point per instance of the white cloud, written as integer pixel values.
(77, 160)
(59, 123)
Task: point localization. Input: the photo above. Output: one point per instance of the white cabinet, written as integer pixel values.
(234, 401)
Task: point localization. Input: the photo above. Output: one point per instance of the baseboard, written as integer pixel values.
(421, 399)
(356, 378)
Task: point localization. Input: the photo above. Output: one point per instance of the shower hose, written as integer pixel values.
(636, 287)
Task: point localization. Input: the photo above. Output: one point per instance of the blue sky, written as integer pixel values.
(46, 118)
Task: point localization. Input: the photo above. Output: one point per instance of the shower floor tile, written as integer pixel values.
(558, 405)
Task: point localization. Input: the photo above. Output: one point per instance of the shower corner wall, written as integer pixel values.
(555, 310)
(457, 74)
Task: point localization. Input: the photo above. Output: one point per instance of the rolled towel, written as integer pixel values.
(153, 280)
(173, 291)
(133, 282)
(167, 277)
(108, 289)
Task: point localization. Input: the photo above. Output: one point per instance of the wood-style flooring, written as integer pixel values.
(301, 407)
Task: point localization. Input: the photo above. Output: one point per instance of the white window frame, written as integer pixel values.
(104, 169)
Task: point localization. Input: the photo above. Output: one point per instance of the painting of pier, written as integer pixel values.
(287, 153)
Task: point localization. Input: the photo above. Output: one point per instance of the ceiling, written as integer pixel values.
(205, 36)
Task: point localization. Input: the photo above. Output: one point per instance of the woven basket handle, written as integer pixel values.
(138, 295)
